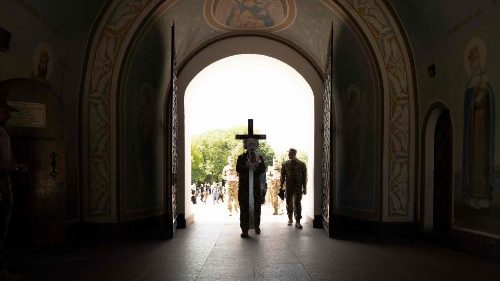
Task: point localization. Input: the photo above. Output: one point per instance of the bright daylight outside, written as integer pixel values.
(218, 103)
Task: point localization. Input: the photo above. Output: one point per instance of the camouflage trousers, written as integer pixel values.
(243, 198)
(232, 198)
(275, 199)
(293, 205)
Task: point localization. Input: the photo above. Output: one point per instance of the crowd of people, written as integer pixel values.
(274, 186)
(208, 192)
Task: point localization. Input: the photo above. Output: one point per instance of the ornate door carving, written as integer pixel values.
(329, 148)
(171, 151)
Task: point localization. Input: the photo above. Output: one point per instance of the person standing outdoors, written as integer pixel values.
(7, 166)
(294, 177)
(274, 178)
(230, 177)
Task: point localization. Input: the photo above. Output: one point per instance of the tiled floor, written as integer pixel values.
(215, 251)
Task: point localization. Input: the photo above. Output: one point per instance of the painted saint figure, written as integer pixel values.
(231, 183)
(143, 146)
(250, 14)
(42, 62)
(479, 130)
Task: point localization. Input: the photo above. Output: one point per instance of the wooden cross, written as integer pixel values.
(250, 134)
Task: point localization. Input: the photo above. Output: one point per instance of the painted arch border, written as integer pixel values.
(107, 47)
(383, 31)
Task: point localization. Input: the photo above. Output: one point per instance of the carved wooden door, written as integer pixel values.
(171, 151)
(329, 148)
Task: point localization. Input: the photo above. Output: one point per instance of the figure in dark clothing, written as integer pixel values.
(243, 165)
(7, 167)
(294, 177)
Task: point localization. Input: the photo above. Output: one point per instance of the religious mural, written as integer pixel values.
(479, 119)
(355, 135)
(43, 62)
(271, 15)
(476, 205)
(140, 192)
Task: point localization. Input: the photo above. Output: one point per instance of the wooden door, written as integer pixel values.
(442, 174)
(171, 150)
(329, 147)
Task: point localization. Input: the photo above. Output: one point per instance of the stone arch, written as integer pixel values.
(106, 55)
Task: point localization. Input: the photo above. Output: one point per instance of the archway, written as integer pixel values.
(122, 24)
(263, 45)
(228, 92)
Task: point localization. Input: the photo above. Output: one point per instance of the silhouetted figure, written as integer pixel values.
(243, 164)
(7, 166)
(294, 176)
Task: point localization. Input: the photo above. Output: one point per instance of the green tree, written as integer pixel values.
(210, 151)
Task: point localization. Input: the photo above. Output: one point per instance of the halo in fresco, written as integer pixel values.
(475, 48)
(269, 15)
(353, 96)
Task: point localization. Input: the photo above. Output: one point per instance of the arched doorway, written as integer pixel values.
(442, 174)
(247, 86)
(266, 46)
(436, 203)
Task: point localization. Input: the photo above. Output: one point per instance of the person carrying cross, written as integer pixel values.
(247, 161)
(250, 166)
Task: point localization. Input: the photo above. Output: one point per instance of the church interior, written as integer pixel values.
(402, 175)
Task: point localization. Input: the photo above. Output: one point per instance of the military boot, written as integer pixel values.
(298, 225)
(290, 221)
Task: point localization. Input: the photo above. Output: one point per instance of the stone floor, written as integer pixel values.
(213, 250)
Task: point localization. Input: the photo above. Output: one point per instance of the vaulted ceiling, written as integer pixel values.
(426, 22)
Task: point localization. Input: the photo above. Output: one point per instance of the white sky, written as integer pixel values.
(228, 92)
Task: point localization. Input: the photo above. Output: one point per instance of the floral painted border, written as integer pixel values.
(99, 103)
(378, 23)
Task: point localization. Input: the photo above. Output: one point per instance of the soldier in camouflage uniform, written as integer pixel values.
(7, 166)
(273, 181)
(242, 167)
(294, 177)
(231, 181)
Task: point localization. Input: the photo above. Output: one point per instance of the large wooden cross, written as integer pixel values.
(250, 134)
(251, 138)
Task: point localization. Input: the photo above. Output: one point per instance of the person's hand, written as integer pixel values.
(21, 168)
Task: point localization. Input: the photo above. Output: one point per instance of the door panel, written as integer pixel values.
(442, 174)
(329, 148)
(171, 151)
